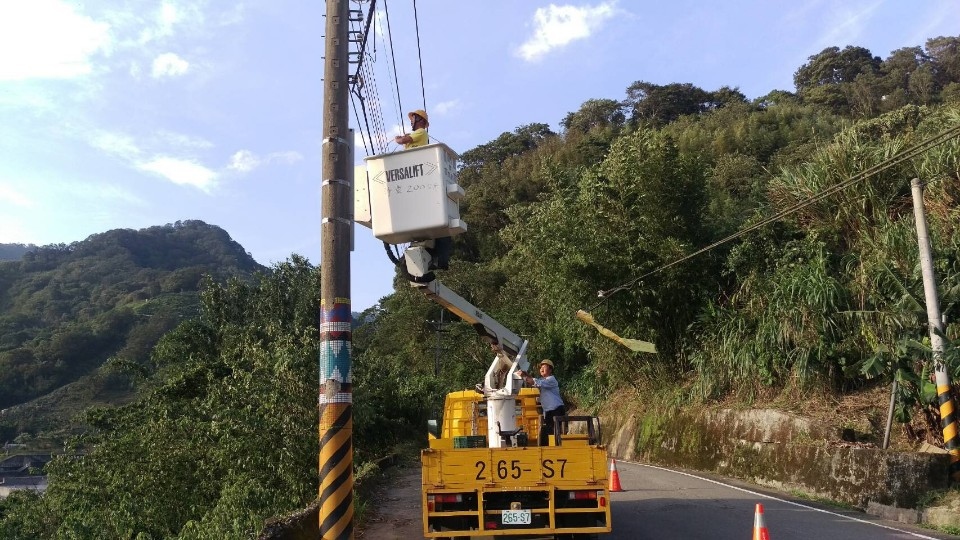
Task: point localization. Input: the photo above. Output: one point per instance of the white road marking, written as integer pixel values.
(765, 496)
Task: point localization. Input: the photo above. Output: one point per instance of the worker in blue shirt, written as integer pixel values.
(550, 398)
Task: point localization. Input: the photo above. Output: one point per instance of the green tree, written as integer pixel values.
(944, 53)
(593, 114)
(833, 66)
(661, 105)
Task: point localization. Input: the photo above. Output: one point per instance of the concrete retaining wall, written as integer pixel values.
(775, 449)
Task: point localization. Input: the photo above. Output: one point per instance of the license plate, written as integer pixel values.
(516, 517)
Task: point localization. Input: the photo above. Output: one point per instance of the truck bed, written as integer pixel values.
(515, 490)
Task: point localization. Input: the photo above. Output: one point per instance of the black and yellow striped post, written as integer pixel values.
(948, 415)
(336, 392)
(948, 422)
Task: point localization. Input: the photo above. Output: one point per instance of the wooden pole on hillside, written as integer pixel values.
(948, 415)
(336, 376)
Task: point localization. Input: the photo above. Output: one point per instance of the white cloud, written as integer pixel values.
(97, 192)
(556, 26)
(169, 65)
(234, 15)
(181, 172)
(115, 193)
(10, 196)
(116, 144)
(290, 157)
(166, 18)
(180, 140)
(243, 161)
(47, 39)
(135, 70)
(446, 106)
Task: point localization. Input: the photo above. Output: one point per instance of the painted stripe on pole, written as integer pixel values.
(339, 521)
(951, 435)
(340, 479)
(336, 342)
(948, 419)
(336, 470)
(338, 397)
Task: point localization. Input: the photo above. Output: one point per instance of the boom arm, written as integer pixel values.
(510, 348)
(413, 196)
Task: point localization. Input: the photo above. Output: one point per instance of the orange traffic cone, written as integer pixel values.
(614, 477)
(760, 531)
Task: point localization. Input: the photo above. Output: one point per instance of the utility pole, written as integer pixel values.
(438, 326)
(948, 415)
(336, 375)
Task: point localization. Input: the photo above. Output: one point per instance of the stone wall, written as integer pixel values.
(778, 450)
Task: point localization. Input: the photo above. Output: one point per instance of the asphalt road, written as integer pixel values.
(660, 504)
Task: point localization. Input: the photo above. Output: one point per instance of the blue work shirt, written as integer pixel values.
(549, 393)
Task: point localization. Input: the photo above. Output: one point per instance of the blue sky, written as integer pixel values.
(133, 113)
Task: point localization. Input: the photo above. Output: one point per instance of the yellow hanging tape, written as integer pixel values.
(634, 345)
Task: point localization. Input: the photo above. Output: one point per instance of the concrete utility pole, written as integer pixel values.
(948, 417)
(438, 327)
(336, 376)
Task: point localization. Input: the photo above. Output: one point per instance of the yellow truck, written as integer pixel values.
(517, 489)
(484, 473)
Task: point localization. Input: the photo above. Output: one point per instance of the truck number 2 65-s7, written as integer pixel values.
(512, 469)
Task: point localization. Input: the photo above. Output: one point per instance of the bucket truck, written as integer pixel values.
(483, 472)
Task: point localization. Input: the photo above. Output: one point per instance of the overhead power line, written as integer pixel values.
(393, 57)
(363, 89)
(416, 22)
(904, 155)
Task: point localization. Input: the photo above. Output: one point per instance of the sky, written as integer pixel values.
(135, 113)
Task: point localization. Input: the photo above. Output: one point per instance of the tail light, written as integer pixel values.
(435, 502)
(583, 495)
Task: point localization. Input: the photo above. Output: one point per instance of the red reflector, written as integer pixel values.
(603, 502)
(490, 525)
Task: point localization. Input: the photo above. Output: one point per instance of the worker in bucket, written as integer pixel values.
(550, 398)
(442, 248)
(417, 137)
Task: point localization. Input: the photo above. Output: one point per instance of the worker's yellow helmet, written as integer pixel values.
(547, 362)
(419, 112)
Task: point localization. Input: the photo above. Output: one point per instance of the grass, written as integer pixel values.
(940, 497)
(822, 500)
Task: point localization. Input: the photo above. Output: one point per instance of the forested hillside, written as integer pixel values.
(824, 299)
(13, 252)
(66, 309)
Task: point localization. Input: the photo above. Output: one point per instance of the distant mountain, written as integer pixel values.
(66, 309)
(13, 252)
